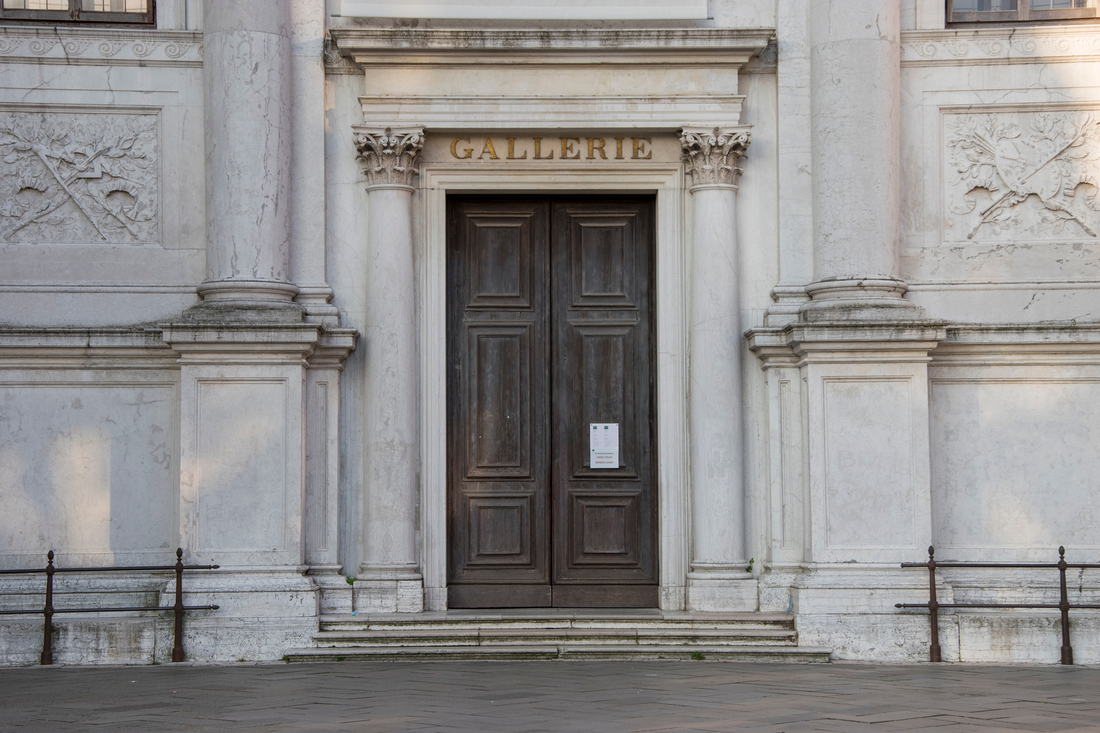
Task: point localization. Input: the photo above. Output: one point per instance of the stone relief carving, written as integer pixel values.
(79, 178)
(1023, 176)
(712, 155)
(987, 45)
(391, 156)
(109, 46)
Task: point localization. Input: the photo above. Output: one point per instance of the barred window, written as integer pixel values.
(976, 11)
(79, 11)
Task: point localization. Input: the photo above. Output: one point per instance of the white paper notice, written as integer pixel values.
(604, 444)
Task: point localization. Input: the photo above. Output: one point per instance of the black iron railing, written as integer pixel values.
(47, 611)
(934, 606)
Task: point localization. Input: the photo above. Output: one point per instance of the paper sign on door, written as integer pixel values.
(604, 444)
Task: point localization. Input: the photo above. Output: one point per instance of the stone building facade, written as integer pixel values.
(831, 268)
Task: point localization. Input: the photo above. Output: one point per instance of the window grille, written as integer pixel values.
(978, 11)
(79, 11)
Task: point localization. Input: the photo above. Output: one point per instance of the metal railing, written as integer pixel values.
(48, 611)
(934, 605)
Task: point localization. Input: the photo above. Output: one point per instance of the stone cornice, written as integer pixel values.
(713, 46)
(84, 348)
(1001, 45)
(947, 344)
(1062, 333)
(846, 342)
(238, 343)
(99, 46)
(333, 348)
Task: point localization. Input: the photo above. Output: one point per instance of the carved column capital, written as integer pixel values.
(712, 154)
(390, 157)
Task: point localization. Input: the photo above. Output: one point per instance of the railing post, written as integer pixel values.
(47, 614)
(933, 608)
(1063, 605)
(177, 646)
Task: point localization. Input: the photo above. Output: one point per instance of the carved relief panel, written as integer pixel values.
(79, 177)
(1022, 176)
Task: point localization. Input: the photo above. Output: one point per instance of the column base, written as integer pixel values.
(334, 590)
(721, 589)
(232, 312)
(389, 589)
(868, 298)
(247, 291)
(316, 303)
(777, 588)
(789, 301)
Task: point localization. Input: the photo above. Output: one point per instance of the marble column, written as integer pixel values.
(856, 132)
(246, 75)
(717, 580)
(391, 452)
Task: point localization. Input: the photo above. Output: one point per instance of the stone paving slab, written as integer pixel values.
(536, 696)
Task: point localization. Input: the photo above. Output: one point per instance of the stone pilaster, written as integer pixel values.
(856, 134)
(307, 174)
(320, 514)
(717, 580)
(246, 75)
(389, 571)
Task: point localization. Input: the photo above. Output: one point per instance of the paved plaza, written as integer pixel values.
(378, 697)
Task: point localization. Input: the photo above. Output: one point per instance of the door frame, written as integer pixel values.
(671, 298)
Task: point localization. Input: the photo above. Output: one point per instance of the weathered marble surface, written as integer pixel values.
(873, 123)
(247, 80)
(1014, 463)
(88, 467)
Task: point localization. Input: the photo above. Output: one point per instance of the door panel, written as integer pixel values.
(605, 519)
(549, 329)
(498, 419)
(498, 392)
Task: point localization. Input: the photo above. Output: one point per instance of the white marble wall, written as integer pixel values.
(88, 466)
(1013, 462)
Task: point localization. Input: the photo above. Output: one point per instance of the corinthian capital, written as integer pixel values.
(712, 154)
(390, 157)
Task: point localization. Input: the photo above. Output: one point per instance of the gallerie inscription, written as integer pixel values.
(553, 148)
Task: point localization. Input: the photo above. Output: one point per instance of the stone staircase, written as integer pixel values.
(623, 634)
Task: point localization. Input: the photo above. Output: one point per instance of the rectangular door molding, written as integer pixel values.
(550, 329)
(590, 542)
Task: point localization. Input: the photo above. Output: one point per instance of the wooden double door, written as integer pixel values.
(550, 330)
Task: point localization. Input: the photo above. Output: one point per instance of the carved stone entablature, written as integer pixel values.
(100, 46)
(1022, 175)
(1010, 44)
(390, 157)
(712, 155)
(79, 178)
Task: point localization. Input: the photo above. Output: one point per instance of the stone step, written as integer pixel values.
(563, 651)
(521, 636)
(476, 621)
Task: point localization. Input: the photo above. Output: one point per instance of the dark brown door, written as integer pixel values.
(549, 329)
